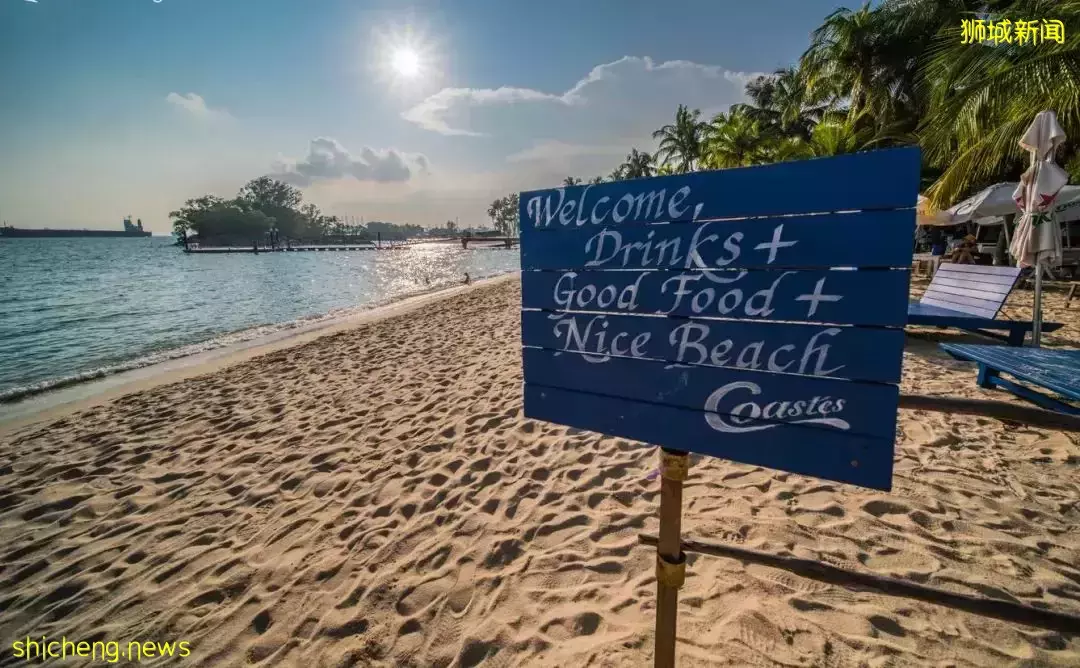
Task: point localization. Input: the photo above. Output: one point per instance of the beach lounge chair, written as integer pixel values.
(969, 297)
(1056, 370)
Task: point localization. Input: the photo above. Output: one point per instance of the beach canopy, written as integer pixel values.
(996, 200)
(990, 205)
(1037, 241)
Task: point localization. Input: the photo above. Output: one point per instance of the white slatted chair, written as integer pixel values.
(969, 297)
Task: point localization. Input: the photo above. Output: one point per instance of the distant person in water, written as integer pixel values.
(467, 279)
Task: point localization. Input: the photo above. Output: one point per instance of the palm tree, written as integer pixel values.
(981, 99)
(837, 134)
(666, 169)
(596, 180)
(734, 139)
(638, 164)
(785, 104)
(680, 142)
(571, 181)
(846, 54)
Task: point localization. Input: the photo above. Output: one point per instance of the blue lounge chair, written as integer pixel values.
(1056, 370)
(969, 297)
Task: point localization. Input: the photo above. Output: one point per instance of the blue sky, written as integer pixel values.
(116, 107)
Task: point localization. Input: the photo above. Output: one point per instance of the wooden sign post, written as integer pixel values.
(753, 314)
(670, 560)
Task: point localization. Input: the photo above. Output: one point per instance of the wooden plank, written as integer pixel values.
(985, 270)
(959, 302)
(1057, 370)
(841, 297)
(956, 271)
(997, 284)
(857, 353)
(733, 396)
(1001, 290)
(991, 299)
(804, 241)
(885, 179)
(969, 309)
(840, 456)
(975, 302)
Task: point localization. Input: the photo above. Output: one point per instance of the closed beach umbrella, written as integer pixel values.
(1037, 242)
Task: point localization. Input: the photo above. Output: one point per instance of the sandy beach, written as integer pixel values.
(374, 497)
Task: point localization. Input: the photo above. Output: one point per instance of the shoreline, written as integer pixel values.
(57, 402)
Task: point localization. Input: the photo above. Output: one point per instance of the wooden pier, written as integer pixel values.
(254, 250)
(485, 243)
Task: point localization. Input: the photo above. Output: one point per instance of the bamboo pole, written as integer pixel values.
(670, 561)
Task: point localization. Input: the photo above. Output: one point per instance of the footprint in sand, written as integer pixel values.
(460, 597)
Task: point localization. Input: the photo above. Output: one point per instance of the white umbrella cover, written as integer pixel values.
(1038, 236)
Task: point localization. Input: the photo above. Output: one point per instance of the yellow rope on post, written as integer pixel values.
(674, 466)
(671, 574)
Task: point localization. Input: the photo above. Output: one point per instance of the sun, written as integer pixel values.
(406, 62)
(406, 57)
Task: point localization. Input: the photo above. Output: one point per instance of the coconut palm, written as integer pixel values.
(571, 181)
(837, 134)
(638, 164)
(666, 169)
(785, 104)
(734, 139)
(846, 53)
(680, 142)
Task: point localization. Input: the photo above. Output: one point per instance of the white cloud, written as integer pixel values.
(431, 112)
(512, 138)
(551, 150)
(327, 160)
(196, 106)
(621, 98)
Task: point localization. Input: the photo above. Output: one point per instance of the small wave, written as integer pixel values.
(21, 392)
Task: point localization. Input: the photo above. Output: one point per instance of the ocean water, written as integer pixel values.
(72, 310)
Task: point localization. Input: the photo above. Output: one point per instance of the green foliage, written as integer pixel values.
(265, 204)
(503, 213)
(681, 141)
(897, 74)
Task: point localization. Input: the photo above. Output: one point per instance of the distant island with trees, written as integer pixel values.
(266, 206)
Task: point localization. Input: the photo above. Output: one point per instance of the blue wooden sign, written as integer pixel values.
(752, 314)
(729, 244)
(824, 351)
(870, 297)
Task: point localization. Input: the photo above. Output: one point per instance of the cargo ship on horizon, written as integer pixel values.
(130, 230)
